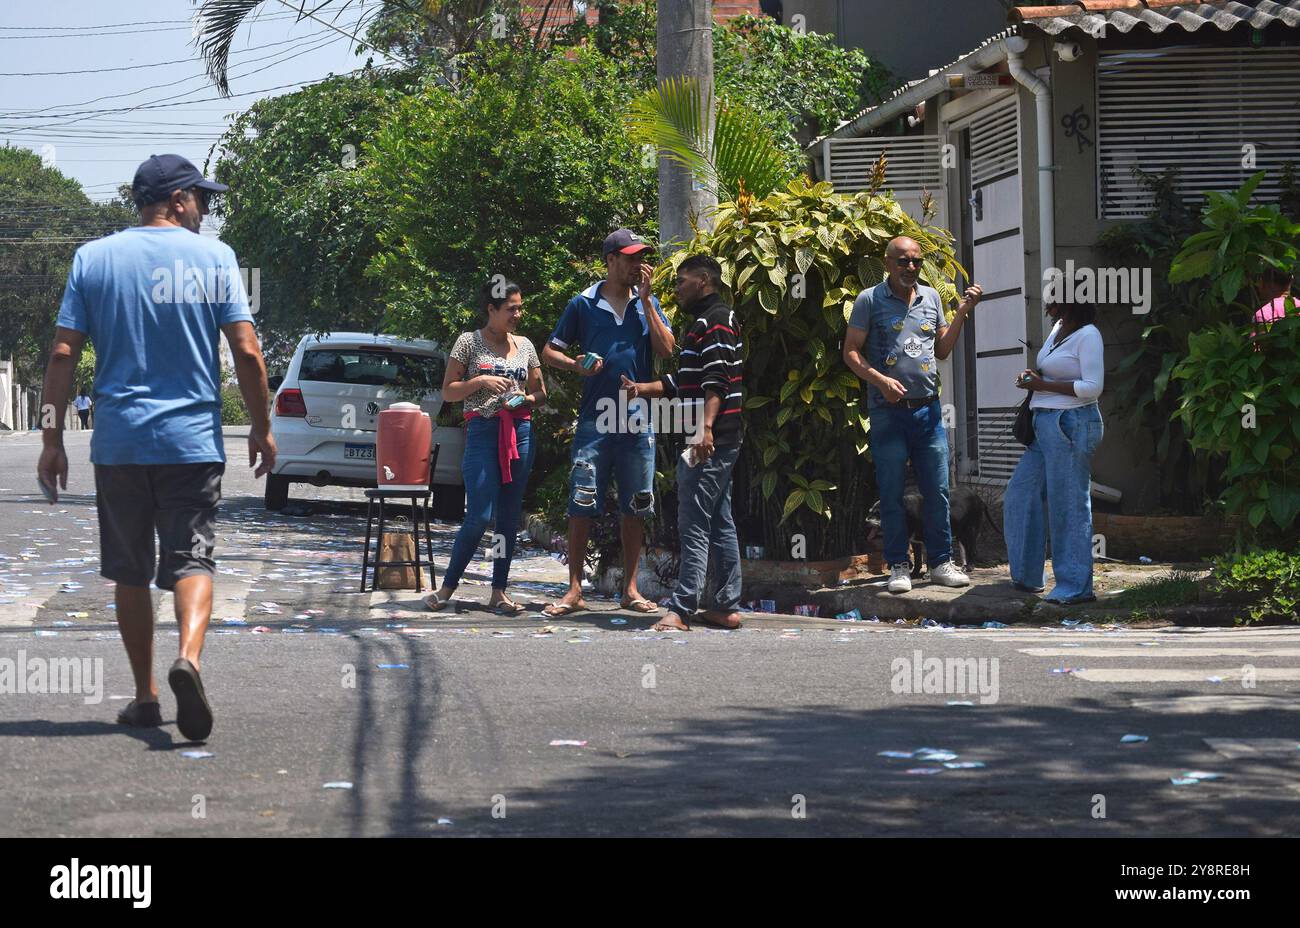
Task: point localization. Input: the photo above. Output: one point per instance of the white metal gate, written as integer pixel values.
(998, 265)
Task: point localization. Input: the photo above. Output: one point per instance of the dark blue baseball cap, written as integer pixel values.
(624, 241)
(156, 178)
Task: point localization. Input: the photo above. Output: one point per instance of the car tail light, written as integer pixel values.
(290, 403)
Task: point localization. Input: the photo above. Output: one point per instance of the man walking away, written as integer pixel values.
(897, 334)
(709, 385)
(153, 300)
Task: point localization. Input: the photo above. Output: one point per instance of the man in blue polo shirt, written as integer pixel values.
(620, 328)
(896, 336)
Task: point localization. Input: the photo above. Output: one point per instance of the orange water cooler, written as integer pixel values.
(403, 447)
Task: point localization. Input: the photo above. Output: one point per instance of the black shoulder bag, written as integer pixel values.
(1023, 427)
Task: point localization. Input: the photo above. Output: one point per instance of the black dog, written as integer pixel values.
(965, 508)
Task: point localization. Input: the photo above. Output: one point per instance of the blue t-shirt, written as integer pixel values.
(900, 338)
(589, 321)
(153, 300)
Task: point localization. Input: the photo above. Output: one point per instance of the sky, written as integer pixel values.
(139, 86)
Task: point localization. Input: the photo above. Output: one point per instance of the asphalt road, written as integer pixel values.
(776, 729)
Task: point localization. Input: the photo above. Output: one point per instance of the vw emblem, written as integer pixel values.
(372, 408)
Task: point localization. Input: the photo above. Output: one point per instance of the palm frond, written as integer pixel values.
(216, 23)
(671, 117)
(744, 152)
(723, 144)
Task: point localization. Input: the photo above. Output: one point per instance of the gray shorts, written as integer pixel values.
(177, 501)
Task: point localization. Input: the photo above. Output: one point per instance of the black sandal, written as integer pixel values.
(193, 714)
(140, 714)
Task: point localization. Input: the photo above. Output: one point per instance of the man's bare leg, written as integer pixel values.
(632, 530)
(571, 601)
(135, 622)
(193, 611)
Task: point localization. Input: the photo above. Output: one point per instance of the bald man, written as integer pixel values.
(897, 335)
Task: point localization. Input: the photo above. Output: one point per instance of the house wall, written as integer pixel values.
(913, 37)
(1125, 458)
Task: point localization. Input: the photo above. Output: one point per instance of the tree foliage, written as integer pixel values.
(44, 216)
(302, 207)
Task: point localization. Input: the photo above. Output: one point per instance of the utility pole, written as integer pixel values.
(685, 49)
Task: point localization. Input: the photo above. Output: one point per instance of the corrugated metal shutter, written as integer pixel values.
(994, 142)
(913, 166)
(912, 163)
(1194, 109)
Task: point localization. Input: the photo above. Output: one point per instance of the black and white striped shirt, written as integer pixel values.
(712, 363)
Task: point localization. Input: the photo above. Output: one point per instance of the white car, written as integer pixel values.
(326, 414)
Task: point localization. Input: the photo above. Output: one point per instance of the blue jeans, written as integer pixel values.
(897, 434)
(486, 496)
(708, 533)
(1055, 471)
(628, 456)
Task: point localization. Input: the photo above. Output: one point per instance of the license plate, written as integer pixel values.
(360, 452)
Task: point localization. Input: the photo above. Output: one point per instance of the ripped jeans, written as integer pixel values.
(627, 456)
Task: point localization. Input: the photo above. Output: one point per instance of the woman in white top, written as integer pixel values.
(1057, 466)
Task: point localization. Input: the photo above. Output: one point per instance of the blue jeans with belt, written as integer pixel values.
(897, 434)
(1050, 490)
(486, 496)
(708, 533)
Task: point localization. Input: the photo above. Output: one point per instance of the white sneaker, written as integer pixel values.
(947, 574)
(900, 580)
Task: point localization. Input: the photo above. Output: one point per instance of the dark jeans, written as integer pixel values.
(486, 496)
(897, 434)
(708, 533)
(84, 416)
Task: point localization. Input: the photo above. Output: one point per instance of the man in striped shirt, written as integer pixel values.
(709, 388)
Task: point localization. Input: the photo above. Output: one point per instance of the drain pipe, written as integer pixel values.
(1016, 46)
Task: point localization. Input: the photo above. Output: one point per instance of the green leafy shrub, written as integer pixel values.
(232, 406)
(1269, 579)
(1241, 402)
(1206, 263)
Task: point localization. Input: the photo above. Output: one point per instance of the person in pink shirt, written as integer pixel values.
(1275, 286)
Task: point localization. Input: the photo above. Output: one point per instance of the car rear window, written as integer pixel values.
(373, 368)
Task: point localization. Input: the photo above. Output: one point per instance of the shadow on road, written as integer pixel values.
(1047, 770)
